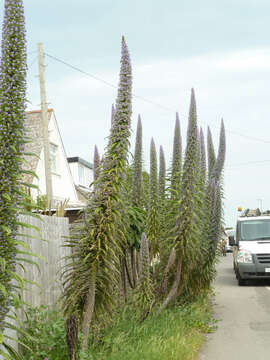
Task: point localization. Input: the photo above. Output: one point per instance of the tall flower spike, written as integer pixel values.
(96, 164)
(102, 242)
(153, 217)
(112, 115)
(136, 194)
(221, 153)
(210, 153)
(186, 227)
(202, 155)
(12, 118)
(162, 174)
(177, 159)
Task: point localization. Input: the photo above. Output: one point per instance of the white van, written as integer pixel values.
(252, 248)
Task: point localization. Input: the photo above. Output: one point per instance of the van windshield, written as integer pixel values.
(255, 230)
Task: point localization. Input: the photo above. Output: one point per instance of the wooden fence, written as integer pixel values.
(48, 244)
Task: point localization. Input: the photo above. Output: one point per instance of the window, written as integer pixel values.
(53, 157)
(81, 174)
(255, 230)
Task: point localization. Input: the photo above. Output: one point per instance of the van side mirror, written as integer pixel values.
(232, 240)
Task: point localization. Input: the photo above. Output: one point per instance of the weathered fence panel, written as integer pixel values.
(48, 244)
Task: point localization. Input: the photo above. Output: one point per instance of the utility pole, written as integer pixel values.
(45, 131)
(260, 201)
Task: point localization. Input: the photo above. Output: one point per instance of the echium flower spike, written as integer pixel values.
(186, 231)
(144, 258)
(162, 175)
(123, 110)
(12, 117)
(221, 154)
(153, 217)
(144, 295)
(136, 192)
(112, 114)
(177, 159)
(202, 156)
(216, 216)
(210, 153)
(96, 164)
(102, 242)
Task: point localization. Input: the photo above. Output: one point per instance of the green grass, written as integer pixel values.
(176, 333)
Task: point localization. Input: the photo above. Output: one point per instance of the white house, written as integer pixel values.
(63, 186)
(82, 171)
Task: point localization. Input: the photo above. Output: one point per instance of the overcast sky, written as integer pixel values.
(221, 48)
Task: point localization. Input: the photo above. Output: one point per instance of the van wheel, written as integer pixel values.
(241, 282)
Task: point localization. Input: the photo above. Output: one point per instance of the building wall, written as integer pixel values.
(75, 171)
(62, 182)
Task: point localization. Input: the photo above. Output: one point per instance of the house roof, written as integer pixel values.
(80, 161)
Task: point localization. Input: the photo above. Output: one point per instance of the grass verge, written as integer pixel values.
(176, 333)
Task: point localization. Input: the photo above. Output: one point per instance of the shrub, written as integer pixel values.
(47, 335)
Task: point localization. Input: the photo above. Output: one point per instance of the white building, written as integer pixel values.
(82, 171)
(63, 186)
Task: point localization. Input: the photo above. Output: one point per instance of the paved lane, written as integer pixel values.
(244, 319)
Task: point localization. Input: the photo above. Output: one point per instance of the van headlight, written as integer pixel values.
(244, 256)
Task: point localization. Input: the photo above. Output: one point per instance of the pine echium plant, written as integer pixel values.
(210, 153)
(136, 191)
(195, 280)
(153, 212)
(162, 176)
(172, 204)
(144, 296)
(91, 278)
(202, 158)
(176, 161)
(186, 231)
(96, 169)
(219, 164)
(112, 115)
(135, 210)
(213, 212)
(14, 199)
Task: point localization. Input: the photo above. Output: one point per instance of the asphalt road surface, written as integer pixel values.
(243, 314)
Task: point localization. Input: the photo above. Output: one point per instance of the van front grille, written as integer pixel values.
(263, 258)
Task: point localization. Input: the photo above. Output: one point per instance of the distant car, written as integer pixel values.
(230, 240)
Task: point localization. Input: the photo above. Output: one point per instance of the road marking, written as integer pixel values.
(268, 288)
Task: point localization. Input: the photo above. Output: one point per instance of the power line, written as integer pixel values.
(143, 98)
(106, 82)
